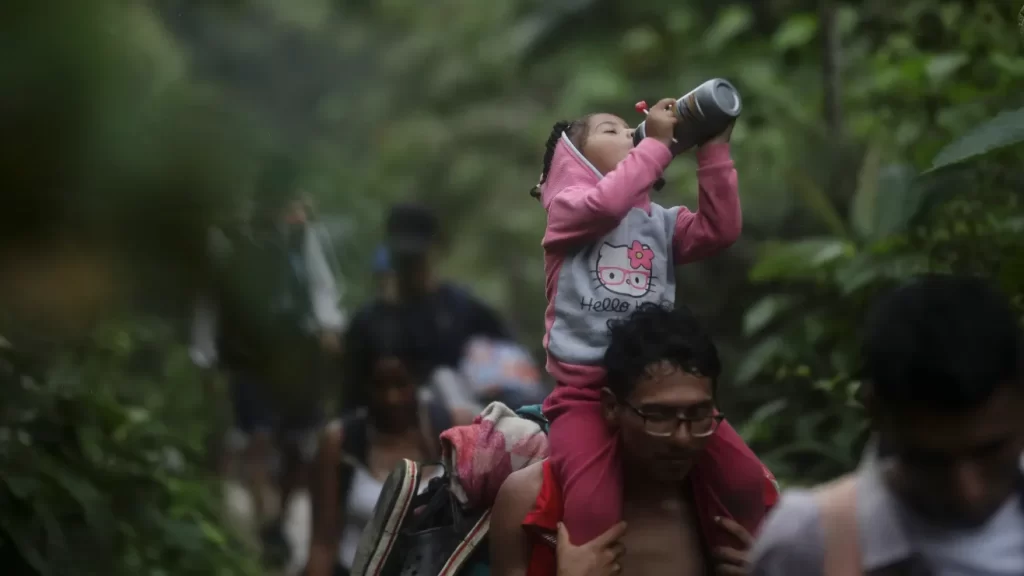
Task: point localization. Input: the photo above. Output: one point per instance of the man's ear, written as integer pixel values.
(609, 405)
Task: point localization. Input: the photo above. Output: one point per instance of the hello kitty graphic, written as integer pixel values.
(625, 270)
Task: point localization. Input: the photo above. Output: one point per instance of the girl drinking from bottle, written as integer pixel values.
(607, 250)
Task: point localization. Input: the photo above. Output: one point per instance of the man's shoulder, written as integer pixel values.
(791, 540)
(517, 496)
(510, 550)
(523, 486)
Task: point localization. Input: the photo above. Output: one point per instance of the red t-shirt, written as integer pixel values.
(541, 523)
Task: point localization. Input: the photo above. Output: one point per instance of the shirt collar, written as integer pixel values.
(884, 541)
(882, 532)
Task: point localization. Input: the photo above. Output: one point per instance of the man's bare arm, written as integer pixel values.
(324, 495)
(510, 549)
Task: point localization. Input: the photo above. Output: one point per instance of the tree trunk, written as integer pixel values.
(832, 79)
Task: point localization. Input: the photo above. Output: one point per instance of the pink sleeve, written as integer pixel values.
(580, 213)
(717, 222)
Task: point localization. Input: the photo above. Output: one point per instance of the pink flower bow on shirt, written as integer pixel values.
(641, 256)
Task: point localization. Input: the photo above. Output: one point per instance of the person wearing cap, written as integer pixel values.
(437, 318)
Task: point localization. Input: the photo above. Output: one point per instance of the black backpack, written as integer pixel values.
(426, 533)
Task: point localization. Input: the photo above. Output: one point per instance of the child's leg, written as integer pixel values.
(585, 457)
(729, 481)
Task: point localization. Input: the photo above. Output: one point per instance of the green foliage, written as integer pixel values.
(99, 455)
(1006, 129)
(113, 159)
(806, 326)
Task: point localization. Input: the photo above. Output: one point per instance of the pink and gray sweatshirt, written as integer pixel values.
(608, 248)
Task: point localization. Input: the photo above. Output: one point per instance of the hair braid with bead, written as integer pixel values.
(577, 131)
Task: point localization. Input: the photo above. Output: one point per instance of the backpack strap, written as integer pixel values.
(355, 436)
(837, 502)
(535, 414)
(468, 545)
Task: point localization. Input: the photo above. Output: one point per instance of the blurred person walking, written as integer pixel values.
(272, 325)
(438, 318)
(490, 369)
(357, 452)
(941, 488)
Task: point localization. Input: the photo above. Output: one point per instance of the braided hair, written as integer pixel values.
(577, 131)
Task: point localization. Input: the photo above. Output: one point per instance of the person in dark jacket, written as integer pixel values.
(438, 318)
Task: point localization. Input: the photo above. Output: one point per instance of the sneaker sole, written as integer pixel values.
(381, 533)
(468, 545)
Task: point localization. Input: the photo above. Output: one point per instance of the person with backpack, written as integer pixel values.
(941, 488)
(356, 454)
(438, 318)
(272, 322)
(660, 402)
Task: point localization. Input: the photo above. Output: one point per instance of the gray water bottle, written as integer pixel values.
(703, 113)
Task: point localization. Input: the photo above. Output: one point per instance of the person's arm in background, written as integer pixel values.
(203, 345)
(327, 516)
(324, 291)
(207, 315)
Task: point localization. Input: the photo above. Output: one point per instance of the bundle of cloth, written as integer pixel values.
(480, 456)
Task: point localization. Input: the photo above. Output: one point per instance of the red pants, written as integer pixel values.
(727, 478)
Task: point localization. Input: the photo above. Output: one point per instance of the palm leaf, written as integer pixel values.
(1006, 129)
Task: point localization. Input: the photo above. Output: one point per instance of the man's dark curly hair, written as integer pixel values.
(942, 342)
(654, 334)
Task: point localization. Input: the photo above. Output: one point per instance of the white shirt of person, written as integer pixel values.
(324, 293)
(792, 541)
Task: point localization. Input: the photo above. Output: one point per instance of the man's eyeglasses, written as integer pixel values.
(701, 424)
